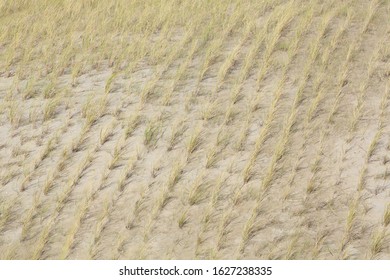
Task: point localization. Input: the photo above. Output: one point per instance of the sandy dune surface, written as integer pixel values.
(195, 129)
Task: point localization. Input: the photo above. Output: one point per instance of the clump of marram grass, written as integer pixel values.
(138, 207)
(49, 182)
(7, 211)
(152, 134)
(377, 243)
(194, 140)
(98, 229)
(178, 130)
(71, 234)
(50, 108)
(183, 219)
(106, 133)
(109, 82)
(174, 175)
(386, 216)
(28, 217)
(93, 109)
(197, 190)
(43, 240)
(131, 124)
(14, 114)
(126, 173)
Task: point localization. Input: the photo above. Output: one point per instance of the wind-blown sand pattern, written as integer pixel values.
(195, 129)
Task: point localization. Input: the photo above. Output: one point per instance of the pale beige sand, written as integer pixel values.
(277, 148)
